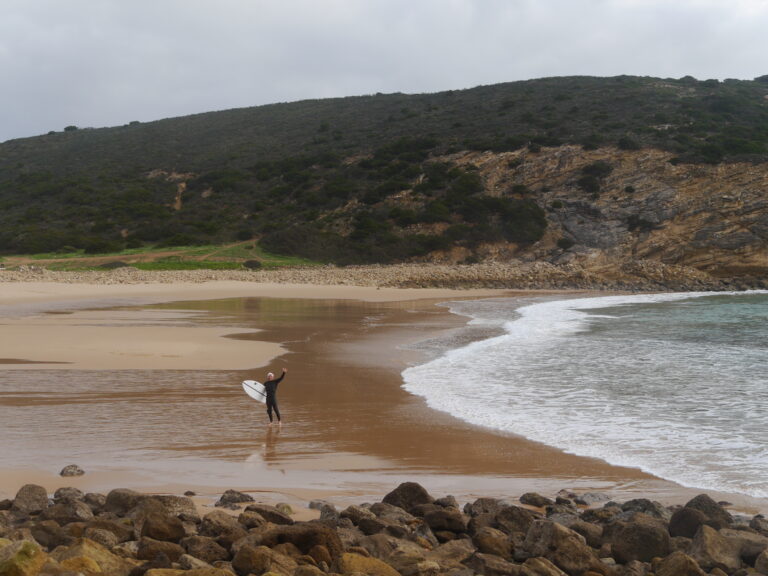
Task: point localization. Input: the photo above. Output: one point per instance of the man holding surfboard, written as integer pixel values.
(270, 387)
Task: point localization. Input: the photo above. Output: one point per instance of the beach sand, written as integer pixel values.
(351, 433)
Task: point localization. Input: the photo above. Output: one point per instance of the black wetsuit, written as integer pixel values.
(271, 387)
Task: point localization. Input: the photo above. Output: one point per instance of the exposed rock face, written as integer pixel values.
(712, 218)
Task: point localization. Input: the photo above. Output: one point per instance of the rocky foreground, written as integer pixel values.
(640, 275)
(410, 533)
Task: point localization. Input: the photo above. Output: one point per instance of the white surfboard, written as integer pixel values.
(255, 390)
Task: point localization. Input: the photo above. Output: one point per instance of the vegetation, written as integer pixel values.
(353, 179)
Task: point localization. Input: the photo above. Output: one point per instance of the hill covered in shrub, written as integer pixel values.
(360, 179)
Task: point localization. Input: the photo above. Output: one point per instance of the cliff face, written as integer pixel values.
(619, 207)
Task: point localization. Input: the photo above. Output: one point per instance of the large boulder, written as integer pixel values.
(452, 555)
(647, 507)
(761, 562)
(305, 537)
(491, 541)
(535, 499)
(233, 497)
(407, 496)
(180, 506)
(540, 567)
(149, 549)
(163, 527)
(446, 519)
(678, 564)
(485, 506)
(563, 547)
(491, 565)
(260, 559)
(750, 545)
(270, 514)
(121, 501)
(222, 527)
(513, 519)
(204, 548)
(642, 538)
(22, 558)
(67, 493)
(686, 522)
(108, 562)
(30, 499)
(358, 564)
(68, 511)
(711, 550)
(717, 516)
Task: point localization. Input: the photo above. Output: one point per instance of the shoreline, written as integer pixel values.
(462, 472)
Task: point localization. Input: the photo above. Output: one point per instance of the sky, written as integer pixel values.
(95, 63)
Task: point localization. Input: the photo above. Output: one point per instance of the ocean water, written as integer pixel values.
(673, 384)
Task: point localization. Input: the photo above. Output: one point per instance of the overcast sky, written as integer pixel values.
(107, 62)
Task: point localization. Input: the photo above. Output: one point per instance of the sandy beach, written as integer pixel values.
(351, 433)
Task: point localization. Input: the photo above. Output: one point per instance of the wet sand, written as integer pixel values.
(351, 433)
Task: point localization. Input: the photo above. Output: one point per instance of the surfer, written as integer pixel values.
(271, 387)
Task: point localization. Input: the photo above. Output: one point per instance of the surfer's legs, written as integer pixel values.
(272, 405)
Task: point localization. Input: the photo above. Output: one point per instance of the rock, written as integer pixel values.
(233, 497)
(491, 541)
(49, 534)
(158, 562)
(67, 495)
(270, 514)
(448, 502)
(485, 506)
(759, 523)
(686, 522)
(592, 533)
(285, 508)
(357, 564)
(711, 550)
(149, 549)
(22, 558)
(591, 498)
(452, 554)
(182, 507)
(305, 537)
(204, 548)
(540, 567)
(356, 513)
(251, 519)
(95, 501)
(535, 499)
(108, 562)
(318, 504)
(643, 538)
(678, 564)
(562, 546)
(67, 512)
(515, 519)
(121, 530)
(408, 495)
(717, 516)
(222, 527)
(750, 545)
(648, 507)
(162, 527)
(445, 519)
(258, 560)
(103, 537)
(761, 562)
(490, 565)
(194, 572)
(120, 501)
(30, 499)
(72, 470)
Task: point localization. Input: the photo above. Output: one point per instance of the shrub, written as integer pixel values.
(252, 264)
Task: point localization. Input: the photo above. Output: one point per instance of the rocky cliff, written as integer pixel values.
(611, 209)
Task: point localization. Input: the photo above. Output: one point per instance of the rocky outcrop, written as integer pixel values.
(153, 536)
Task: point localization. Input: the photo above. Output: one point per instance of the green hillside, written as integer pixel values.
(326, 179)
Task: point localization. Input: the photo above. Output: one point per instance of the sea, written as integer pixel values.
(673, 384)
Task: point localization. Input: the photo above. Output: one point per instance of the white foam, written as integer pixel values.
(634, 402)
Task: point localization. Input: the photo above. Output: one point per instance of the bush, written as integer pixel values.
(252, 264)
